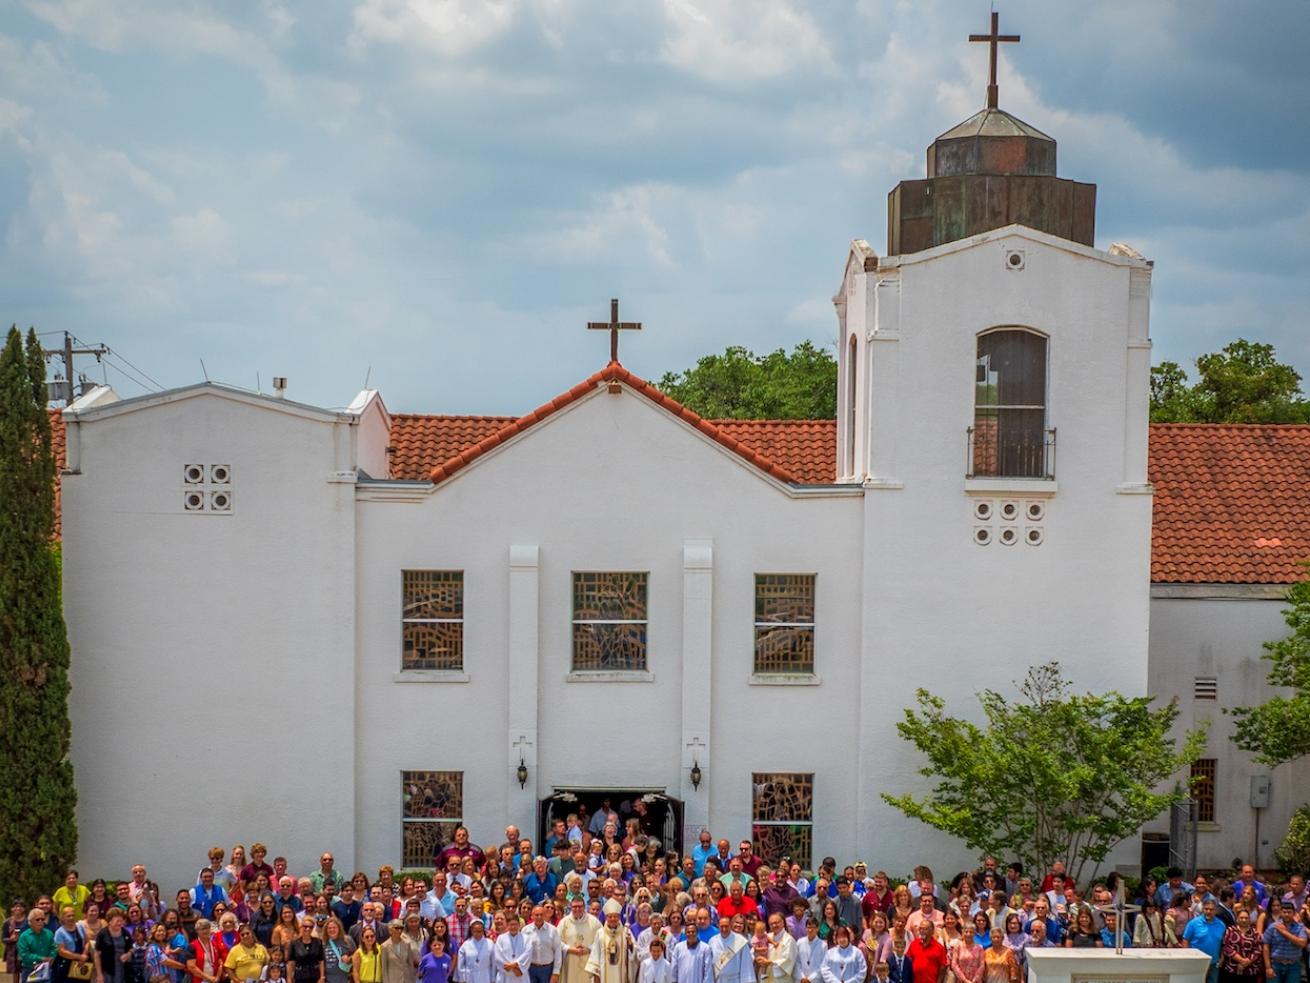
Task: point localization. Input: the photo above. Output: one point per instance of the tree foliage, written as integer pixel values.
(1293, 857)
(740, 385)
(1243, 383)
(38, 830)
(1278, 730)
(1051, 776)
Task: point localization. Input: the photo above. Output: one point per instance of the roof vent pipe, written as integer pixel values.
(280, 386)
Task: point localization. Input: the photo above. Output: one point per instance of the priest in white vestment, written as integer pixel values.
(614, 951)
(577, 931)
(732, 955)
(781, 960)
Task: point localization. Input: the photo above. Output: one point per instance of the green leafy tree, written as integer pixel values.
(740, 385)
(1051, 776)
(1242, 383)
(1293, 857)
(1172, 399)
(38, 829)
(1278, 730)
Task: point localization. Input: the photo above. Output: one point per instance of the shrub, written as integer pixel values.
(1293, 857)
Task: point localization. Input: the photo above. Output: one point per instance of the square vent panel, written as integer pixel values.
(207, 488)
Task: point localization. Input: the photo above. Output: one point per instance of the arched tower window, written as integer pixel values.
(852, 415)
(1009, 416)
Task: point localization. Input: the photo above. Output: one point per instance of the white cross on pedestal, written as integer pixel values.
(1120, 910)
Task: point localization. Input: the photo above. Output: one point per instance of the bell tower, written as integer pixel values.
(993, 407)
(990, 172)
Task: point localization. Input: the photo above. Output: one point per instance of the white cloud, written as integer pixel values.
(624, 223)
(737, 43)
(452, 27)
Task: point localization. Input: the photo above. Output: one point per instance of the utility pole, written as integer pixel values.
(63, 390)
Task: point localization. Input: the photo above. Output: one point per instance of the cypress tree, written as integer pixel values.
(38, 827)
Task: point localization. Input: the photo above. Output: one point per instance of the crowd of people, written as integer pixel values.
(596, 909)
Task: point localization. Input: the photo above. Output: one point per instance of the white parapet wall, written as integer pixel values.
(1105, 966)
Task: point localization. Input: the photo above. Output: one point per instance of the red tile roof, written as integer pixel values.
(806, 448)
(420, 442)
(614, 372)
(1232, 503)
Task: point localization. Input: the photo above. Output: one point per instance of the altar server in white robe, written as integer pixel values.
(654, 967)
(692, 960)
(513, 953)
(810, 952)
(476, 955)
(844, 963)
(614, 951)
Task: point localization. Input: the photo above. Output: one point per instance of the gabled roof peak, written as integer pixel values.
(614, 378)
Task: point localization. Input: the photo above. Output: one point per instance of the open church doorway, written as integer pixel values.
(659, 814)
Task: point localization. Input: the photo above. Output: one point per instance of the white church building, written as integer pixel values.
(350, 630)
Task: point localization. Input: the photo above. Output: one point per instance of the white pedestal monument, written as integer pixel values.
(1107, 966)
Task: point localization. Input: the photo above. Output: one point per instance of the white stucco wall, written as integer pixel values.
(942, 612)
(1221, 637)
(276, 631)
(213, 655)
(610, 483)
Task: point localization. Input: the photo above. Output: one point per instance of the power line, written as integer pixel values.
(141, 372)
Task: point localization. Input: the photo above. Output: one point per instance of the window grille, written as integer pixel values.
(784, 623)
(1206, 688)
(432, 805)
(433, 620)
(782, 817)
(1203, 782)
(609, 622)
(1009, 438)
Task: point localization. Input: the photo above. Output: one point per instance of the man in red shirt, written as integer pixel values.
(1057, 867)
(927, 956)
(736, 903)
(877, 898)
(750, 864)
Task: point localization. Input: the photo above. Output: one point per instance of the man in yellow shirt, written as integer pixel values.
(246, 960)
(71, 895)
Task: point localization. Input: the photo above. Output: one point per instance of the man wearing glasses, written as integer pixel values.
(750, 864)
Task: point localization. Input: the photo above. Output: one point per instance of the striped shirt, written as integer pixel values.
(1280, 947)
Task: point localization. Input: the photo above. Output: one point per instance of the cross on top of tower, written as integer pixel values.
(992, 39)
(614, 326)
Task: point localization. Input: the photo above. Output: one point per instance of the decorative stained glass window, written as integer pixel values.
(784, 623)
(433, 620)
(782, 816)
(609, 622)
(431, 806)
(1204, 772)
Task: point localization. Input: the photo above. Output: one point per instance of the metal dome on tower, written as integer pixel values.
(990, 171)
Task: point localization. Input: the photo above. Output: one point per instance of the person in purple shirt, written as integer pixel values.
(434, 967)
(1248, 880)
(779, 895)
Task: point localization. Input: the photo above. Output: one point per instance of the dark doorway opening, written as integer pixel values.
(662, 816)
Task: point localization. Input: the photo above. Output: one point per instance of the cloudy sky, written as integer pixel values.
(438, 194)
